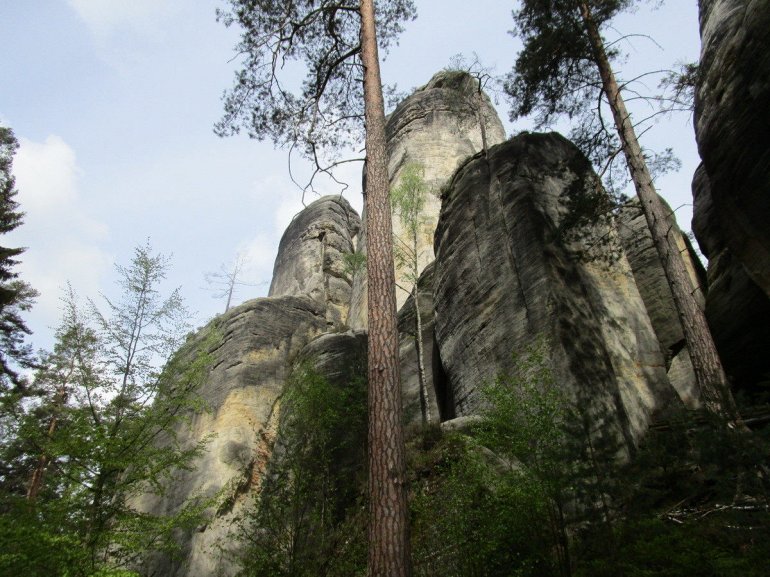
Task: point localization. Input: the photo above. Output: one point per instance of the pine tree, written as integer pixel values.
(564, 68)
(16, 296)
(338, 43)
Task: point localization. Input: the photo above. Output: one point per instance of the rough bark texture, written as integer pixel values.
(710, 377)
(389, 552)
(732, 123)
(503, 279)
(311, 256)
(653, 286)
(436, 128)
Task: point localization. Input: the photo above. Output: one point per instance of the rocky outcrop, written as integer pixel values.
(254, 344)
(654, 289)
(504, 278)
(311, 256)
(437, 127)
(738, 311)
(732, 121)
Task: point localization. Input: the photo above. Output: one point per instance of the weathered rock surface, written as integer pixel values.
(503, 279)
(439, 408)
(732, 121)
(738, 311)
(251, 362)
(651, 280)
(438, 127)
(311, 256)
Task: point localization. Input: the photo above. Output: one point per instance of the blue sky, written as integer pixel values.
(114, 101)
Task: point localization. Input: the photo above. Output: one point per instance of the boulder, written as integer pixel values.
(437, 127)
(504, 278)
(311, 256)
(732, 121)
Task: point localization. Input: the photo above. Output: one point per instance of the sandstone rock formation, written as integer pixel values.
(732, 121)
(438, 127)
(738, 311)
(655, 292)
(503, 278)
(732, 187)
(311, 256)
(257, 340)
(439, 408)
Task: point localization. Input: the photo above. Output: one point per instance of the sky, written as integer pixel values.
(113, 103)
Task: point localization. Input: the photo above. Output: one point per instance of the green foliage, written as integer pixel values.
(103, 428)
(308, 519)
(16, 296)
(353, 263)
(472, 515)
(326, 111)
(556, 75)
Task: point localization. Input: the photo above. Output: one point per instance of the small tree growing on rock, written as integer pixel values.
(408, 202)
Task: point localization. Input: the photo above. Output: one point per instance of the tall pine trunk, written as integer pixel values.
(709, 374)
(389, 548)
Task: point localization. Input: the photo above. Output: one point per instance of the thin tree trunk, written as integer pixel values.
(389, 548)
(424, 399)
(709, 374)
(36, 480)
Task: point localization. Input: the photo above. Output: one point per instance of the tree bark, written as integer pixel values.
(709, 374)
(389, 548)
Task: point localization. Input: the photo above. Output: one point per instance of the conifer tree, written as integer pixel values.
(338, 42)
(16, 296)
(564, 68)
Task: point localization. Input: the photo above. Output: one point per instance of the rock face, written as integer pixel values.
(439, 408)
(738, 311)
(732, 187)
(653, 287)
(257, 340)
(732, 121)
(438, 127)
(503, 279)
(311, 256)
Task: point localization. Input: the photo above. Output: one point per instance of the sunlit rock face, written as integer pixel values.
(437, 127)
(737, 309)
(654, 289)
(732, 123)
(253, 346)
(311, 256)
(504, 278)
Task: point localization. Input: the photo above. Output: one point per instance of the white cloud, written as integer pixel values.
(105, 16)
(45, 174)
(62, 239)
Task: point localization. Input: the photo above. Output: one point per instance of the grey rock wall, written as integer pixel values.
(311, 256)
(503, 279)
(437, 127)
(737, 309)
(732, 187)
(732, 123)
(655, 292)
(256, 342)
